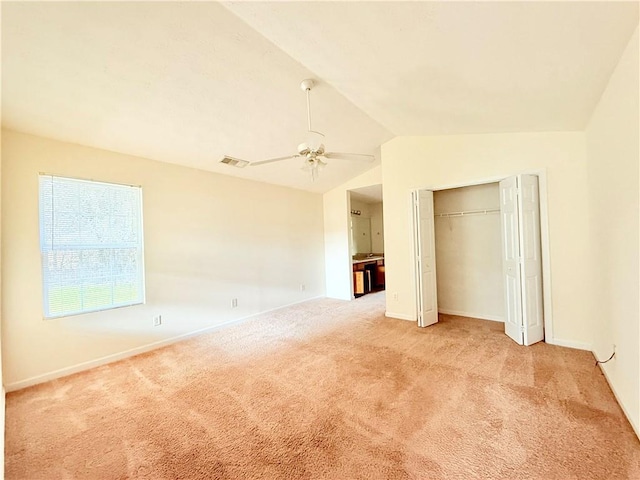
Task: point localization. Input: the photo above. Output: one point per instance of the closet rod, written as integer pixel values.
(469, 212)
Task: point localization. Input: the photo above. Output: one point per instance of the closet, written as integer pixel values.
(468, 251)
(478, 254)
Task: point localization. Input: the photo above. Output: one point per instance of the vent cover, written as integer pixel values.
(234, 162)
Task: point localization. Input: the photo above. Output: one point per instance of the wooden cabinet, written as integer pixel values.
(368, 275)
(380, 275)
(358, 282)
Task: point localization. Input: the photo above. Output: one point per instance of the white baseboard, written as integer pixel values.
(400, 316)
(63, 372)
(481, 316)
(636, 429)
(568, 343)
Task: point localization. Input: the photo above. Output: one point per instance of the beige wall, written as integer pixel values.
(469, 253)
(363, 207)
(372, 211)
(360, 234)
(377, 228)
(337, 210)
(208, 238)
(456, 160)
(2, 392)
(613, 199)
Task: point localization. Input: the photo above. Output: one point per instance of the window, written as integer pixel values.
(91, 245)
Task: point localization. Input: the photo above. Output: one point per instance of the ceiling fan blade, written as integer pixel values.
(262, 162)
(363, 157)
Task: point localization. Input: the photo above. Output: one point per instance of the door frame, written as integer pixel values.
(350, 246)
(544, 236)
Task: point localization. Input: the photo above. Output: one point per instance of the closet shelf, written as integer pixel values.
(468, 212)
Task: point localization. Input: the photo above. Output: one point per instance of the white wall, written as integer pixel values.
(612, 165)
(208, 238)
(469, 253)
(455, 160)
(337, 210)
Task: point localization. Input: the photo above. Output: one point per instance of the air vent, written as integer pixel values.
(234, 162)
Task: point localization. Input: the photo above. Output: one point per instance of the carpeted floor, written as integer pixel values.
(329, 390)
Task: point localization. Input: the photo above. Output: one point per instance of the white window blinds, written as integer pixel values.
(91, 245)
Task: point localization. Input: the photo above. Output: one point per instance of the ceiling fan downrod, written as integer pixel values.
(306, 86)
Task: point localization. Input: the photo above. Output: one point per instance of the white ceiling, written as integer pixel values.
(369, 194)
(188, 82)
(429, 68)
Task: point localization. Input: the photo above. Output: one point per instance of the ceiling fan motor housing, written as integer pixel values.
(305, 149)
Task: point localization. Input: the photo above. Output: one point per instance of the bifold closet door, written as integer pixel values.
(521, 258)
(425, 253)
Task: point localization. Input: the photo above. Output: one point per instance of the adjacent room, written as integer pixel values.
(367, 239)
(320, 240)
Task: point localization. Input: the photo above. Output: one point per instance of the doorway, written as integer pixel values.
(366, 240)
(519, 274)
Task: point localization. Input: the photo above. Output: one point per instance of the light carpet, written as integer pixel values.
(329, 390)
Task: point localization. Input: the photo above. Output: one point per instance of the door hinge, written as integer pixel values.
(522, 328)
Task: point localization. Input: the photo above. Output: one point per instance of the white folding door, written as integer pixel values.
(425, 254)
(521, 258)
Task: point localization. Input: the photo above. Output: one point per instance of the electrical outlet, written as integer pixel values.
(234, 302)
(395, 296)
(157, 320)
(303, 287)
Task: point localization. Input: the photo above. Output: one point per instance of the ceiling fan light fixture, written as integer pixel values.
(313, 165)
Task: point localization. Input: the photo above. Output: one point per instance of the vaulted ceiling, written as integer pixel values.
(188, 83)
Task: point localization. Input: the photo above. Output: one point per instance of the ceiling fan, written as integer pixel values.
(313, 151)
